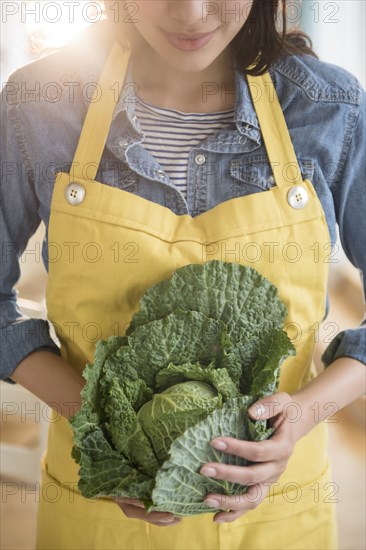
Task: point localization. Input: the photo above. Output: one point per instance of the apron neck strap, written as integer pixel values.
(98, 120)
(99, 115)
(277, 140)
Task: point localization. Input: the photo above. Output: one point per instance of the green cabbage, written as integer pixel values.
(204, 345)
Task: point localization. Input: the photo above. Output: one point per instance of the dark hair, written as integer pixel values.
(265, 37)
(259, 43)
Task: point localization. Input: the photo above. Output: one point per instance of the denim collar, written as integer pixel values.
(245, 115)
(246, 118)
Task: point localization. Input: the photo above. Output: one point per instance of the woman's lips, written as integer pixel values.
(189, 42)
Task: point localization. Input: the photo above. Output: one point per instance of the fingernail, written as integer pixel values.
(167, 520)
(258, 410)
(213, 503)
(208, 471)
(218, 444)
(219, 521)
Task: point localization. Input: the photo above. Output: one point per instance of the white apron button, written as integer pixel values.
(200, 159)
(297, 197)
(75, 193)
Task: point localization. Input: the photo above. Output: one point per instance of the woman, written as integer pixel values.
(177, 155)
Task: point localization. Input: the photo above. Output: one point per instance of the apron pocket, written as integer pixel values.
(68, 521)
(297, 517)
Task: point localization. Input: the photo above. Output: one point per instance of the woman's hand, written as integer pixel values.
(292, 417)
(133, 508)
(271, 457)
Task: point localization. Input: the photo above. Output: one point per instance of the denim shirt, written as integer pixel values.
(43, 108)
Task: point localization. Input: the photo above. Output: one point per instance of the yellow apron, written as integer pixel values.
(106, 247)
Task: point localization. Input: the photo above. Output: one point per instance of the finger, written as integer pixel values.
(176, 521)
(133, 501)
(239, 503)
(244, 475)
(269, 406)
(254, 451)
(228, 517)
(162, 518)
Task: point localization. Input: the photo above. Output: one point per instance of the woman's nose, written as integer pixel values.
(191, 12)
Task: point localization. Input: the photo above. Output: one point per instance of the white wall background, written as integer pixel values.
(337, 29)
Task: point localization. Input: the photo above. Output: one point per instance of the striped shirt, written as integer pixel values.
(170, 135)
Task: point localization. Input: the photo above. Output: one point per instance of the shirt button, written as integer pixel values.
(200, 159)
(243, 139)
(74, 193)
(160, 174)
(247, 127)
(122, 143)
(297, 197)
(271, 180)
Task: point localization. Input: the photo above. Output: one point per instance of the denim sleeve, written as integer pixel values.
(19, 219)
(349, 193)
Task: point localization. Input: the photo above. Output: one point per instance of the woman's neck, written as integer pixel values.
(207, 91)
